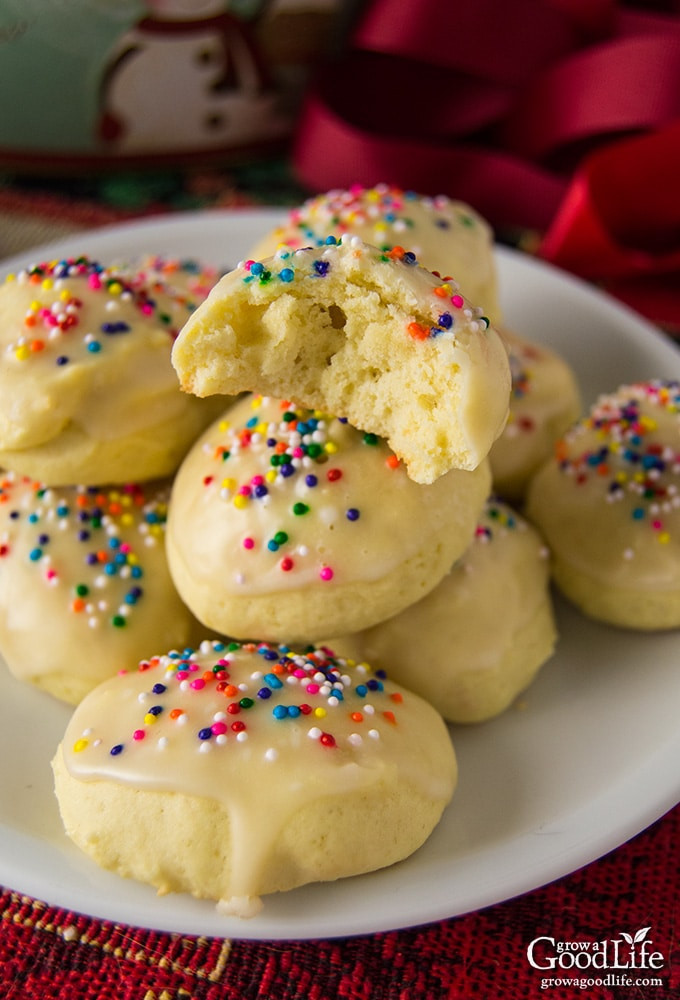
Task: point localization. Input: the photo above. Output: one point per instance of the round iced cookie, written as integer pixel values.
(447, 236)
(480, 637)
(87, 391)
(608, 504)
(177, 284)
(288, 525)
(361, 333)
(544, 402)
(84, 582)
(240, 770)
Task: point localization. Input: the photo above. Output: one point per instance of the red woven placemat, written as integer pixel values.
(48, 953)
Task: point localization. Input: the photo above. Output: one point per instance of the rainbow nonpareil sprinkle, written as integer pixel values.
(440, 314)
(77, 306)
(629, 458)
(300, 455)
(102, 572)
(261, 685)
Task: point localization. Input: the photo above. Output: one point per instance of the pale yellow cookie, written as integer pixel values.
(365, 335)
(84, 582)
(447, 236)
(544, 402)
(480, 637)
(177, 284)
(289, 525)
(87, 391)
(240, 770)
(608, 504)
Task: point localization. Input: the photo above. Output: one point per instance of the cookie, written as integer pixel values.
(480, 637)
(87, 391)
(289, 525)
(447, 236)
(84, 582)
(608, 504)
(544, 402)
(177, 284)
(240, 770)
(365, 335)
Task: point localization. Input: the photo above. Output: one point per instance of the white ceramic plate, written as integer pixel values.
(587, 762)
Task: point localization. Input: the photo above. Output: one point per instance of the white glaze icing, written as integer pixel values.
(261, 729)
(446, 235)
(544, 402)
(87, 566)
(337, 507)
(363, 334)
(86, 346)
(609, 502)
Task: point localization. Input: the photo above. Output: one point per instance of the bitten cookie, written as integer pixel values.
(445, 235)
(288, 525)
(240, 770)
(544, 402)
(608, 504)
(87, 391)
(363, 334)
(480, 637)
(84, 582)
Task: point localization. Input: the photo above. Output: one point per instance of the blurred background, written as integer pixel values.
(559, 120)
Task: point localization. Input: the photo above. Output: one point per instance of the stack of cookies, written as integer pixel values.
(342, 572)
(92, 428)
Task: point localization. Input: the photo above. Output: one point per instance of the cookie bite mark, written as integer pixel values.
(365, 334)
(446, 236)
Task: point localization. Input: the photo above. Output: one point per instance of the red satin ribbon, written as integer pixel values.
(619, 223)
(508, 106)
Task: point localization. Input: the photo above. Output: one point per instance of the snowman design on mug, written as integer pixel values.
(186, 78)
